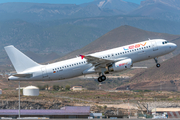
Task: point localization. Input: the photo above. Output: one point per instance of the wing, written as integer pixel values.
(98, 62)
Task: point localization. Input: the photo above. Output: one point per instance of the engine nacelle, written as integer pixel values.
(121, 65)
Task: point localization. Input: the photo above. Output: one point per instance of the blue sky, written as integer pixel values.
(61, 1)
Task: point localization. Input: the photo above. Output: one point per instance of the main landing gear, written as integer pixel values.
(157, 64)
(102, 78)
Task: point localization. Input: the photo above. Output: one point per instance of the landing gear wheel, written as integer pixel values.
(99, 79)
(158, 65)
(103, 78)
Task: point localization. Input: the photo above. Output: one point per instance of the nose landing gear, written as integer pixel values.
(157, 64)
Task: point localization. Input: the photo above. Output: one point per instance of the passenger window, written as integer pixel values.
(123, 52)
(53, 69)
(69, 65)
(72, 64)
(130, 50)
(108, 55)
(142, 47)
(120, 53)
(146, 46)
(127, 51)
(84, 62)
(149, 46)
(139, 48)
(63, 67)
(134, 49)
(116, 54)
(79, 63)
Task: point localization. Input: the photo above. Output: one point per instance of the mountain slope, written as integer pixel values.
(111, 22)
(114, 4)
(36, 12)
(61, 38)
(159, 9)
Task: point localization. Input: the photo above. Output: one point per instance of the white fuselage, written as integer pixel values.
(75, 67)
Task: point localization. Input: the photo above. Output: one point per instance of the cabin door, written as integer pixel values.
(44, 72)
(154, 45)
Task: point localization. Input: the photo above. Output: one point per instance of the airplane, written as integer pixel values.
(102, 63)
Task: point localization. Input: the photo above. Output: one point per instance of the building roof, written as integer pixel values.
(31, 87)
(77, 86)
(96, 114)
(68, 110)
(165, 109)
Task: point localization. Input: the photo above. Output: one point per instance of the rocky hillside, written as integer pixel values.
(159, 9)
(114, 5)
(34, 12)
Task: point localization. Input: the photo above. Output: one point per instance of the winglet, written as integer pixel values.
(82, 56)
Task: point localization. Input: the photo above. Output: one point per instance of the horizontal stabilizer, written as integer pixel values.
(23, 75)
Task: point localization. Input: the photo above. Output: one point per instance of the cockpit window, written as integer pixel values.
(165, 42)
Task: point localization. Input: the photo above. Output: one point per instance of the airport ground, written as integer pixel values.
(106, 119)
(100, 101)
(102, 98)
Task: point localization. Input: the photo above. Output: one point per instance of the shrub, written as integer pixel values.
(56, 87)
(67, 87)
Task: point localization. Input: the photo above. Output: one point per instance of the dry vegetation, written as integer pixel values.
(94, 96)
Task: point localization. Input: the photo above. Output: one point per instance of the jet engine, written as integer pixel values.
(120, 65)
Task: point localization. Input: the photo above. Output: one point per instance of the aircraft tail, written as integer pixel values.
(19, 60)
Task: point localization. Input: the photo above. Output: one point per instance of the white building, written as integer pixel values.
(76, 88)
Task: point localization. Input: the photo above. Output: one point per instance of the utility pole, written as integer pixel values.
(128, 109)
(19, 101)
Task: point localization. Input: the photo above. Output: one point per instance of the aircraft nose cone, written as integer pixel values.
(173, 46)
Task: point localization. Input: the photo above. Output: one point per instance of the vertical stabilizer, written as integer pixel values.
(19, 60)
